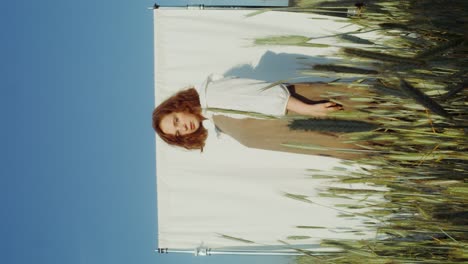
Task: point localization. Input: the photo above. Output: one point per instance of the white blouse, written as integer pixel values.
(232, 93)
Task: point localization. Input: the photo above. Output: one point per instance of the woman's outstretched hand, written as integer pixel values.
(322, 109)
(317, 110)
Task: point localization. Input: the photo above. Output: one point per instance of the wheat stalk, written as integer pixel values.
(355, 39)
(331, 125)
(382, 56)
(343, 69)
(454, 89)
(388, 25)
(423, 99)
(390, 91)
(439, 49)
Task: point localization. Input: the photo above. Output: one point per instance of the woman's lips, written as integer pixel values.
(192, 126)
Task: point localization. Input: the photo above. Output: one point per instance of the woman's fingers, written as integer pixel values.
(322, 109)
(332, 106)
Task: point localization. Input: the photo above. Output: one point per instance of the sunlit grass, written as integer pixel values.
(416, 81)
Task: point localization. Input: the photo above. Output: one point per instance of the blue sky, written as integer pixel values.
(78, 158)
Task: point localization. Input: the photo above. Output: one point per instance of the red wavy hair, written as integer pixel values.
(186, 101)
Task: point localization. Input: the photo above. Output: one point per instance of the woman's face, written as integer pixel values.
(179, 124)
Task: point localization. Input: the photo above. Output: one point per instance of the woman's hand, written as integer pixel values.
(322, 109)
(318, 110)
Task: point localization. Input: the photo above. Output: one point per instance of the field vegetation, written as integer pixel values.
(415, 81)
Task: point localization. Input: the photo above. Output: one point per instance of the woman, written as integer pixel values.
(178, 120)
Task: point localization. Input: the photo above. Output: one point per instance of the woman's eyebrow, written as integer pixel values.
(174, 121)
